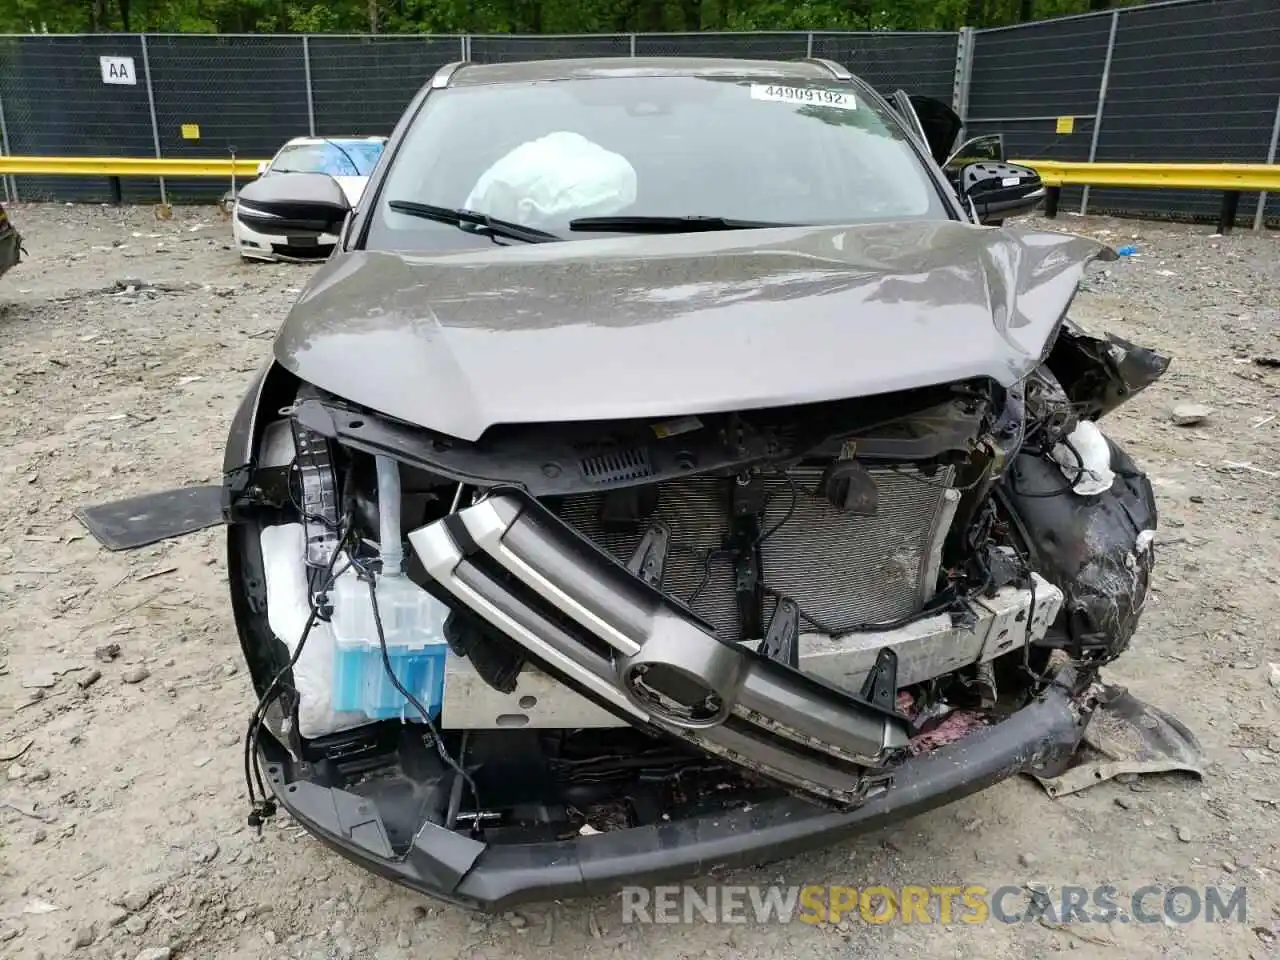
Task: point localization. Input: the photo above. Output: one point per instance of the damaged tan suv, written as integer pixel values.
(671, 468)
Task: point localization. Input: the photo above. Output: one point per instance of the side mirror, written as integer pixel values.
(1000, 190)
(262, 167)
(294, 204)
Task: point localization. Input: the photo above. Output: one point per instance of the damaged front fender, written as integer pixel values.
(1096, 545)
(1098, 374)
(1099, 550)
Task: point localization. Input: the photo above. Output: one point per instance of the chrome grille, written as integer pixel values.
(843, 571)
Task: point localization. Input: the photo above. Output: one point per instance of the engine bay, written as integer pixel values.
(886, 554)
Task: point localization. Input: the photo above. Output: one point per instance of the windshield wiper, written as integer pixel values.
(691, 224)
(337, 146)
(485, 224)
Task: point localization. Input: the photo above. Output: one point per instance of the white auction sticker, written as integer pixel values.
(118, 70)
(809, 96)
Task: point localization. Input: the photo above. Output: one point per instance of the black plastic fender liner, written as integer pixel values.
(1099, 550)
(1101, 373)
(497, 877)
(141, 521)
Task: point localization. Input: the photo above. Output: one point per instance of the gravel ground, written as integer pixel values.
(127, 342)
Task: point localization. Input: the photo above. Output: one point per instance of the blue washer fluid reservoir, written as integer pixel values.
(413, 625)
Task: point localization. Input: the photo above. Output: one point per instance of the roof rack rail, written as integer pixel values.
(441, 77)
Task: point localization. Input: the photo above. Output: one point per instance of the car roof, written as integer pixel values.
(533, 71)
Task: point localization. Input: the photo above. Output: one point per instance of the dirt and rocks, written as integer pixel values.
(127, 341)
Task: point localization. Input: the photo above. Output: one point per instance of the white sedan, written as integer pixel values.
(349, 160)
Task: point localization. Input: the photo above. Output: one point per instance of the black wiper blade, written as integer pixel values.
(668, 224)
(484, 223)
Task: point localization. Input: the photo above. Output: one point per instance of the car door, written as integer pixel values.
(938, 127)
(934, 122)
(902, 103)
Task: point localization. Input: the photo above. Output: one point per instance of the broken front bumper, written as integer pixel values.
(591, 623)
(629, 649)
(295, 246)
(453, 867)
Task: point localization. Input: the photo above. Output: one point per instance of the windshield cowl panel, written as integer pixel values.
(720, 150)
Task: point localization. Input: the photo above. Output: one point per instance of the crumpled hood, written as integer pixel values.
(658, 326)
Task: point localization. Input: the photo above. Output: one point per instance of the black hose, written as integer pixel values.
(795, 498)
(1045, 494)
(413, 701)
(260, 808)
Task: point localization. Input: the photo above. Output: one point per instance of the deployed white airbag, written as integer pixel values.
(1085, 460)
(558, 176)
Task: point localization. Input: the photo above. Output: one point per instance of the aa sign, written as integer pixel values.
(118, 70)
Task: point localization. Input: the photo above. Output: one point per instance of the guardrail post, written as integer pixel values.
(633, 45)
(151, 103)
(1051, 197)
(1258, 215)
(808, 48)
(1230, 204)
(961, 77)
(1102, 100)
(306, 71)
(10, 184)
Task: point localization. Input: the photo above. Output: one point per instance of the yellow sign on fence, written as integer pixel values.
(191, 131)
(1066, 124)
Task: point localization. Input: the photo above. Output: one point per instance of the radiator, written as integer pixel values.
(843, 571)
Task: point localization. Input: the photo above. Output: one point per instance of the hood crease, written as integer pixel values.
(658, 326)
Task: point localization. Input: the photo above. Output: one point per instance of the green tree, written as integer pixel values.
(521, 16)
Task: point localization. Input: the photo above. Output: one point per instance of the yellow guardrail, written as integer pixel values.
(1231, 179)
(1191, 176)
(1245, 177)
(129, 167)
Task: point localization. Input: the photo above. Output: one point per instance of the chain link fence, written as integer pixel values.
(511, 48)
(53, 103)
(1189, 81)
(386, 71)
(1223, 110)
(921, 63)
(1023, 80)
(1183, 80)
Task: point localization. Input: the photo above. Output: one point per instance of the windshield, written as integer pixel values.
(338, 158)
(546, 154)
